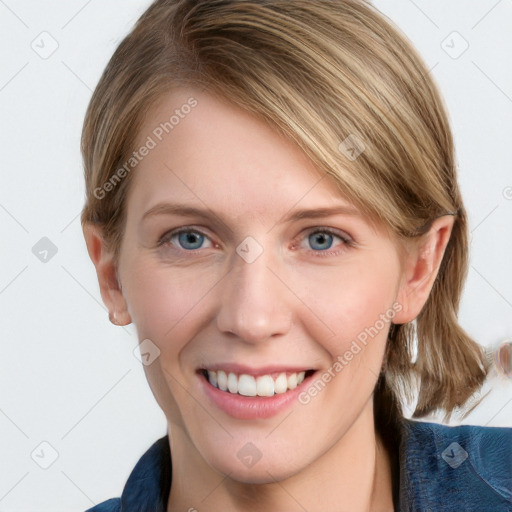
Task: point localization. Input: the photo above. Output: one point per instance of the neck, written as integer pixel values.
(353, 475)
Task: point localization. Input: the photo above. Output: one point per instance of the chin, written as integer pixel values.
(249, 465)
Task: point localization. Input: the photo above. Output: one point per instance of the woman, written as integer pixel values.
(272, 200)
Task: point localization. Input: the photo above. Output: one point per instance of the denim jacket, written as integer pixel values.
(441, 468)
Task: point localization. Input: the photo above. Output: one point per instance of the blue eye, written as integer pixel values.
(190, 240)
(320, 240)
(186, 239)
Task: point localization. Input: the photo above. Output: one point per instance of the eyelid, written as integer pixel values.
(324, 229)
(347, 240)
(166, 237)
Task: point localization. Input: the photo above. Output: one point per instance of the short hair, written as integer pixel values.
(320, 72)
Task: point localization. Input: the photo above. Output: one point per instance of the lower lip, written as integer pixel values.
(252, 407)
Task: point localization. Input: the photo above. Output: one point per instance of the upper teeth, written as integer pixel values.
(247, 385)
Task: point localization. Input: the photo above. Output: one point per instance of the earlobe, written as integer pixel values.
(106, 271)
(421, 268)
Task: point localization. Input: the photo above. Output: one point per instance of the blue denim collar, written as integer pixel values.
(464, 468)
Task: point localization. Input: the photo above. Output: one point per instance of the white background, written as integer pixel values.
(69, 377)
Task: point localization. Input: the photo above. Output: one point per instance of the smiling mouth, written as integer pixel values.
(249, 385)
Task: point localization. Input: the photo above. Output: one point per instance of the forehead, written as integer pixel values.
(209, 152)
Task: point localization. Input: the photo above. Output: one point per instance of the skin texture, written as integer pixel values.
(294, 305)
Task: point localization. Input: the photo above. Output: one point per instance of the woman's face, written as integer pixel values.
(239, 257)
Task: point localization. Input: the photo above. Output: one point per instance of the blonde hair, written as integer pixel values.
(318, 71)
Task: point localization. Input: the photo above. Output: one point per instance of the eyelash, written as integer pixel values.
(347, 242)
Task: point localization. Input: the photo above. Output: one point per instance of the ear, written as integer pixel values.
(421, 266)
(106, 270)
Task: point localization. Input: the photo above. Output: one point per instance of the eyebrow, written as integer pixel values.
(315, 213)
(184, 210)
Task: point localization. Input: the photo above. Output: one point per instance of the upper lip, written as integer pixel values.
(240, 369)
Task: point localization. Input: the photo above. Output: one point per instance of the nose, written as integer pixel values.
(255, 304)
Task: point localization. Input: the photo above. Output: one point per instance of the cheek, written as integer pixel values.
(354, 301)
(357, 305)
(164, 304)
(162, 301)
